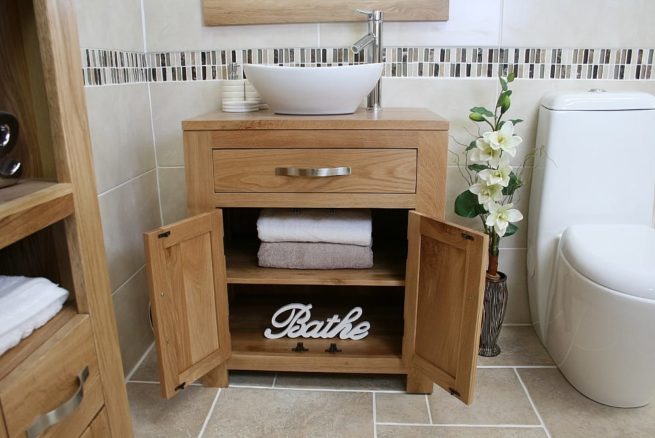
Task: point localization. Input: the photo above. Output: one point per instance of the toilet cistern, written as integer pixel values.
(372, 40)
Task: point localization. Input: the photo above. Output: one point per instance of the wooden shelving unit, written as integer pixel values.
(31, 206)
(50, 227)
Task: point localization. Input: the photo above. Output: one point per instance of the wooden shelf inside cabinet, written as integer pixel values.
(242, 268)
(14, 356)
(31, 206)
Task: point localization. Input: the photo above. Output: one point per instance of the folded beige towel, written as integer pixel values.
(303, 255)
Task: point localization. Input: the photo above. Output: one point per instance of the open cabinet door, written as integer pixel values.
(445, 291)
(188, 294)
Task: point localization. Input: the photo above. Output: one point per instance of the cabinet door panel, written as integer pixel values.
(188, 292)
(445, 290)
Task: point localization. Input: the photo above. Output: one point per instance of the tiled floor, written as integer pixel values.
(519, 394)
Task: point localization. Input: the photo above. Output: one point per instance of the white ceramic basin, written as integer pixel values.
(313, 90)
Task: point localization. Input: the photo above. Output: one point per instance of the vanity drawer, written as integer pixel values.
(48, 379)
(286, 170)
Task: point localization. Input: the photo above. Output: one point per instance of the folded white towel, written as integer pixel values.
(25, 305)
(350, 227)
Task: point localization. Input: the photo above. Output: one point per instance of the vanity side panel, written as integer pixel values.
(431, 173)
(199, 172)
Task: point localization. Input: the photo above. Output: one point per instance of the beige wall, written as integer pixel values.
(126, 148)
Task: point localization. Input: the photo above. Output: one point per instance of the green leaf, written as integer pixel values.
(504, 103)
(472, 145)
(466, 205)
(511, 77)
(477, 167)
(503, 83)
(516, 121)
(482, 110)
(511, 229)
(514, 183)
(477, 117)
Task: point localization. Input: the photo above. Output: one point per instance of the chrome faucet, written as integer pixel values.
(373, 40)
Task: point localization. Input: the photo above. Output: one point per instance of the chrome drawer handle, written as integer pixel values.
(62, 411)
(313, 172)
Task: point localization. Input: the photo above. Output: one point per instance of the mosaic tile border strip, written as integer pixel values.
(111, 67)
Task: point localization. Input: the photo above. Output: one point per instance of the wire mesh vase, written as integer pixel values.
(495, 304)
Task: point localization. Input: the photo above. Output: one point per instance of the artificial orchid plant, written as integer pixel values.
(491, 178)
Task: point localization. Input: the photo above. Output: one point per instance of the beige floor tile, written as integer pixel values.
(519, 346)
(149, 372)
(567, 413)
(340, 381)
(458, 432)
(499, 399)
(401, 408)
(243, 413)
(181, 416)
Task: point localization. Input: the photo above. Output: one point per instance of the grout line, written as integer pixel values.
(534, 407)
(124, 183)
(497, 426)
(209, 414)
(144, 382)
(375, 418)
(154, 149)
(500, 23)
(427, 405)
(138, 364)
(128, 280)
(245, 386)
(274, 381)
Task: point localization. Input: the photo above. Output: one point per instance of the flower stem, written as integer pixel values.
(492, 269)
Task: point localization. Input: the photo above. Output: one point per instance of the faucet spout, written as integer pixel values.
(372, 40)
(362, 43)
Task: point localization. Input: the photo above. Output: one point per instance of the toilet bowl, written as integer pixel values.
(601, 322)
(591, 242)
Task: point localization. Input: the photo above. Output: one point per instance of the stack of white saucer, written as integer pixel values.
(239, 96)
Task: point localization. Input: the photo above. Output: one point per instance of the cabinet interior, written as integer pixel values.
(256, 293)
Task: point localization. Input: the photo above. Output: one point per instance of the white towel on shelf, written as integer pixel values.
(25, 305)
(346, 226)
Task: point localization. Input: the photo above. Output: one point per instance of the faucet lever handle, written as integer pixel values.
(372, 15)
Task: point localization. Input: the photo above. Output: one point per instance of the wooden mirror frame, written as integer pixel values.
(232, 12)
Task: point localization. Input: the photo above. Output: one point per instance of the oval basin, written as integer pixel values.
(313, 90)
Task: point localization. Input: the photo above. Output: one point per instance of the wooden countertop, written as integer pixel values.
(388, 118)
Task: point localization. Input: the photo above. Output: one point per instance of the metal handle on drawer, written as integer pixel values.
(313, 172)
(56, 415)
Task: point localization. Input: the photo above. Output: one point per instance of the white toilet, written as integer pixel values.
(591, 242)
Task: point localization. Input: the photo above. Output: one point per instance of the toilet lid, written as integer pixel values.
(619, 257)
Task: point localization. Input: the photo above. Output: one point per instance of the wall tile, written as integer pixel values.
(116, 24)
(174, 102)
(121, 133)
(127, 212)
(172, 188)
(513, 263)
(177, 25)
(131, 307)
(581, 23)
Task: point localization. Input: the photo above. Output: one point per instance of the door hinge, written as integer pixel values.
(177, 388)
(467, 236)
(454, 392)
(164, 234)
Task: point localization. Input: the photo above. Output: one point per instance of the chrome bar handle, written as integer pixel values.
(313, 172)
(62, 411)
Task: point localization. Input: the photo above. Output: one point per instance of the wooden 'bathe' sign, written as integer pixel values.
(293, 321)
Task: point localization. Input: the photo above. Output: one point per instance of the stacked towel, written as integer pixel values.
(25, 305)
(315, 239)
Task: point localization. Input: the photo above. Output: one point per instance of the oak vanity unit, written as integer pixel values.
(423, 297)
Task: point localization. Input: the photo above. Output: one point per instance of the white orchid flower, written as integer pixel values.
(483, 153)
(504, 139)
(487, 194)
(497, 176)
(500, 216)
